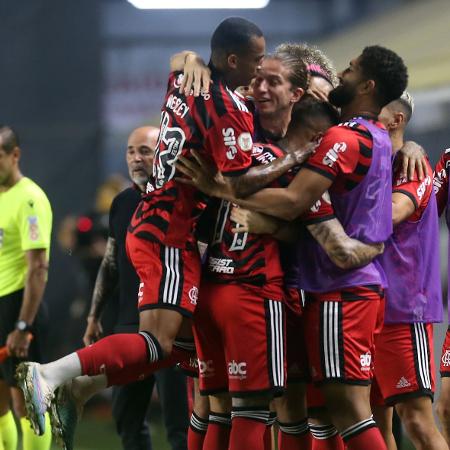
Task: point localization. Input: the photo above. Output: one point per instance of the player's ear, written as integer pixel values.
(367, 86)
(232, 61)
(297, 94)
(397, 120)
(16, 153)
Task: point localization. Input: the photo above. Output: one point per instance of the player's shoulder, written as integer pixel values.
(28, 189)
(226, 100)
(446, 157)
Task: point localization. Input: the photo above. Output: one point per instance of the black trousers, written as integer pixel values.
(130, 408)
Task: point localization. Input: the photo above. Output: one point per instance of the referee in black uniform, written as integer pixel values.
(130, 402)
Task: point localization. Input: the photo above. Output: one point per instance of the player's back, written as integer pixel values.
(218, 125)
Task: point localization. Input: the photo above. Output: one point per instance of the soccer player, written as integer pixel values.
(353, 163)
(25, 228)
(130, 402)
(440, 182)
(161, 241)
(404, 364)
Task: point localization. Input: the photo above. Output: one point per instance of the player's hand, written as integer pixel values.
(197, 76)
(201, 174)
(18, 343)
(302, 154)
(318, 94)
(94, 331)
(413, 159)
(253, 222)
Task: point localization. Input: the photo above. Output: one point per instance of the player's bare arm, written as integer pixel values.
(345, 252)
(36, 279)
(402, 207)
(197, 75)
(204, 176)
(105, 284)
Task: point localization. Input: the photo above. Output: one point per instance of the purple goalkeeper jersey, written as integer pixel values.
(365, 213)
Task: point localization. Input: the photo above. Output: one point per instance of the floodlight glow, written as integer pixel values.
(199, 4)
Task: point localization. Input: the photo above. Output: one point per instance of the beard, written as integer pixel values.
(342, 95)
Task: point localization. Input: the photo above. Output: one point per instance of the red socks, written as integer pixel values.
(196, 432)
(364, 435)
(294, 436)
(326, 437)
(248, 428)
(218, 433)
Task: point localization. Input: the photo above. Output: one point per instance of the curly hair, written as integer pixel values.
(388, 71)
(311, 56)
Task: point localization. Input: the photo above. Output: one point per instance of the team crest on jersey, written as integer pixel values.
(177, 81)
(149, 187)
(245, 141)
(446, 358)
(33, 229)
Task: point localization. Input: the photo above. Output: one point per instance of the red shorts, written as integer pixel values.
(296, 356)
(340, 335)
(169, 276)
(404, 363)
(445, 356)
(239, 336)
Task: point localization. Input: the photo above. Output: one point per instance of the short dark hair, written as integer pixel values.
(388, 71)
(9, 138)
(308, 109)
(233, 35)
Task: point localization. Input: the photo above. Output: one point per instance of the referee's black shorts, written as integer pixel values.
(9, 313)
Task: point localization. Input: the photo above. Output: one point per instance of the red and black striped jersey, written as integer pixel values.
(440, 180)
(218, 125)
(245, 257)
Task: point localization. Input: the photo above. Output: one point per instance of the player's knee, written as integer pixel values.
(260, 400)
(416, 421)
(220, 403)
(443, 411)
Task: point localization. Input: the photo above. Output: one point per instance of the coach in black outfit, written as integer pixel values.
(130, 402)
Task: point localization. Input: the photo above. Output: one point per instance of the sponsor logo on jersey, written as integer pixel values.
(149, 187)
(325, 198)
(333, 153)
(229, 139)
(439, 180)
(245, 141)
(206, 368)
(266, 158)
(220, 265)
(257, 150)
(446, 358)
(237, 370)
(365, 359)
(141, 292)
(193, 294)
(423, 187)
(402, 383)
(33, 229)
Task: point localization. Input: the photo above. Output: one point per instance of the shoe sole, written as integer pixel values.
(24, 380)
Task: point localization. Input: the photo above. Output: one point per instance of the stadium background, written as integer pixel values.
(77, 76)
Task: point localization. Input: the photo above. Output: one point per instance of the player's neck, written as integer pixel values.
(276, 123)
(355, 109)
(12, 180)
(397, 142)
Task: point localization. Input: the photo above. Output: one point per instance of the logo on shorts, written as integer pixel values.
(193, 295)
(366, 360)
(237, 370)
(446, 358)
(141, 292)
(206, 368)
(402, 383)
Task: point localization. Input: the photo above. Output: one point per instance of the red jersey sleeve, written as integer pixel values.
(418, 191)
(440, 180)
(321, 211)
(230, 144)
(337, 153)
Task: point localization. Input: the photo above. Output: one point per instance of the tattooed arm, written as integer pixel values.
(105, 285)
(345, 252)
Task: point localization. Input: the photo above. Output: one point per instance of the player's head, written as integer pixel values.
(140, 153)
(310, 119)
(378, 76)
(237, 49)
(323, 77)
(9, 153)
(280, 83)
(396, 114)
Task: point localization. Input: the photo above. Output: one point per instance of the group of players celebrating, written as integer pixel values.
(314, 301)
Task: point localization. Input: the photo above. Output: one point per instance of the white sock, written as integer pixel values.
(61, 370)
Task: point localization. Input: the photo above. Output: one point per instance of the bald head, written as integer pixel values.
(140, 152)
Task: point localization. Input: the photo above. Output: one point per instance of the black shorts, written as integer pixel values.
(9, 312)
